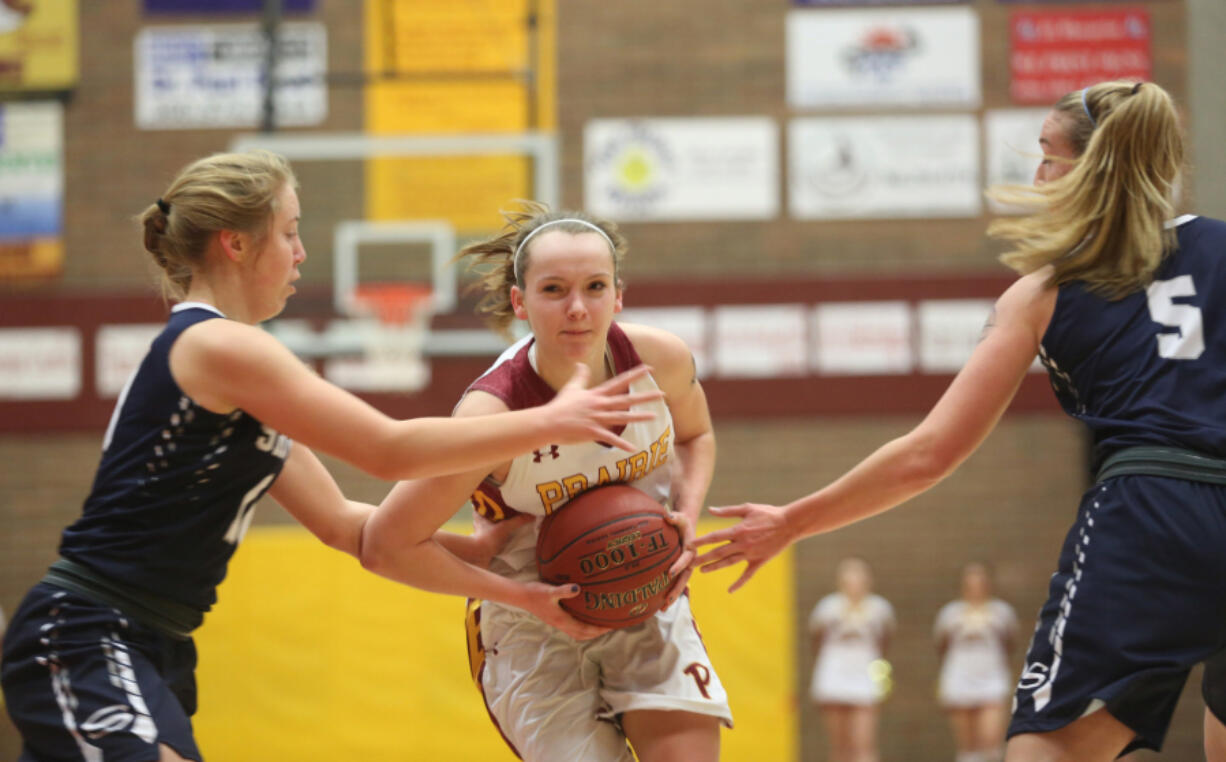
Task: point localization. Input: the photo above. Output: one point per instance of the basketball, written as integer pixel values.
(615, 542)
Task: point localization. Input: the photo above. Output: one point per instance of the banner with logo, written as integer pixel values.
(1056, 52)
(38, 45)
(31, 189)
(880, 167)
(191, 77)
(896, 57)
(682, 168)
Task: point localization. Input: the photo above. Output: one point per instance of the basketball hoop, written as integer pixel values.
(392, 320)
(393, 304)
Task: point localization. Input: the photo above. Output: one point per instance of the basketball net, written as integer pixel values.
(392, 320)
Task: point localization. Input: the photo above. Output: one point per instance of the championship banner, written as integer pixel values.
(31, 189)
(1057, 52)
(895, 57)
(38, 45)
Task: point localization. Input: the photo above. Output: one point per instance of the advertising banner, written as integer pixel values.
(31, 189)
(881, 167)
(38, 45)
(192, 77)
(682, 169)
(1057, 52)
(896, 57)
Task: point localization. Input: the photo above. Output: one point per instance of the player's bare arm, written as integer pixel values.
(399, 541)
(225, 365)
(904, 467)
(308, 492)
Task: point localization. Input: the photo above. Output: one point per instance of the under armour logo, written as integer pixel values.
(553, 452)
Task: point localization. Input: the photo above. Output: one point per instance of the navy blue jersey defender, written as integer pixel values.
(98, 661)
(175, 490)
(1140, 586)
(1142, 371)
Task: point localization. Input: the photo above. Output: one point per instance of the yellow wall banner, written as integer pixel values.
(309, 657)
(446, 69)
(38, 45)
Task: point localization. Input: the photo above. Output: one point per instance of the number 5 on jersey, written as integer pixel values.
(1187, 341)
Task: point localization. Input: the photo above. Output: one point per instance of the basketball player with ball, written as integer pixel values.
(558, 686)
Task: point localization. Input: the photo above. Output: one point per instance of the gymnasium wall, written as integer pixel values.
(1010, 504)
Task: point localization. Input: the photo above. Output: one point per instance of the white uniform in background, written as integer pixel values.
(851, 642)
(975, 670)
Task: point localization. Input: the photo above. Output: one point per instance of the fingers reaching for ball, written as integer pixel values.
(554, 615)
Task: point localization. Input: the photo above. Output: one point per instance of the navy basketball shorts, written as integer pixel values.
(1139, 598)
(82, 681)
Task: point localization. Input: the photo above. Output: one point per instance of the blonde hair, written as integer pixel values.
(225, 191)
(495, 258)
(1104, 221)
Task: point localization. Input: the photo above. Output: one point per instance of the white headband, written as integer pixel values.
(522, 244)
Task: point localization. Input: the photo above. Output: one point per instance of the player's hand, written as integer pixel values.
(683, 567)
(544, 601)
(761, 534)
(580, 414)
(490, 537)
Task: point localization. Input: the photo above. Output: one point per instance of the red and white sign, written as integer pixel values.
(1057, 52)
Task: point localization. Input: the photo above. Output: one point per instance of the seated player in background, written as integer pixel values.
(974, 635)
(1125, 305)
(99, 661)
(850, 631)
(558, 689)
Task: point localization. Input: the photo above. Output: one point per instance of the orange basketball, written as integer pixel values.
(615, 542)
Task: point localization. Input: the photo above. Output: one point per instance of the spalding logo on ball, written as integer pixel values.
(615, 542)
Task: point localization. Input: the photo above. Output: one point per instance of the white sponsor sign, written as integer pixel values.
(949, 330)
(895, 57)
(875, 167)
(213, 76)
(688, 323)
(40, 363)
(682, 169)
(1012, 153)
(760, 341)
(118, 351)
(862, 338)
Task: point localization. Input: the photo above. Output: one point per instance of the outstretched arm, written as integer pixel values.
(224, 365)
(308, 492)
(400, 543)
(963, 417)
